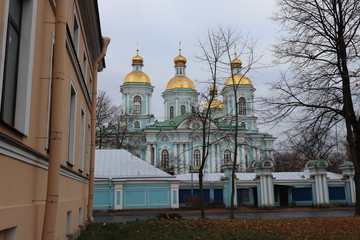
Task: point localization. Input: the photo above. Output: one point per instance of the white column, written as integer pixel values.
(149, 103)
(218, 160)
(148, 153)
(326, 190)
(186, 161)
(176, 112)
(243, 157)
(155, 154)
(271, 190)
(118, 196)
(213, 165)
(177, 167)
(174, 198)
(352, 189)
(262, 189)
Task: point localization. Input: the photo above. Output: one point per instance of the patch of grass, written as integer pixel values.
(305, 228)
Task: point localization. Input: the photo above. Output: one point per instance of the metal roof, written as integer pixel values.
(119, 163)
(279, 177)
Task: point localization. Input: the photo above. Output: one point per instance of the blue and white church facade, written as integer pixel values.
(175, 144)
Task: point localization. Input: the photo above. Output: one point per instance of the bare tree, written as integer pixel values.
(112, 123)
(212, 50)
(301, 145)
(321, 44)
(219, 59)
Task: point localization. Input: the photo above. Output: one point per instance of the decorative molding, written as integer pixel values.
(67, 172)
(17, 150)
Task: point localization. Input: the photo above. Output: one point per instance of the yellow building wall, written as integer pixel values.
(23, 177)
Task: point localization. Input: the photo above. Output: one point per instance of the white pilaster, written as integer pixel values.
(118, 196)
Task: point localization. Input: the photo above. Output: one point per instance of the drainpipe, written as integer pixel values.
(56, 152)
(106, 42)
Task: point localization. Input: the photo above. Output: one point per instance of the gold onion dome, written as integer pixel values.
(137, 59)
(137, 77)
(236, 62)
(215, 104)
(239, 79)
(180, 82)
(180, 59)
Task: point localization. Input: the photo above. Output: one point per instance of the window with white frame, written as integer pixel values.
(72, 125)
(183, 109)
(171, 112)
(76, 30)
(197, 157)
(16, 63)
(227, 156)
(165, 158)
(137, 124)
(137, 105)
(242, 106)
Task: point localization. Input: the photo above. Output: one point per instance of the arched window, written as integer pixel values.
(227, 156)
(183, 109)
(136, 124)
(137, 105)
(197, 157)
(171, 112)
(242, 106)
(243, 124)
(165, 158)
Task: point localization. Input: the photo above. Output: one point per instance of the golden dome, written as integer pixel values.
(213, 90)
(137, 59)
(137, 77)
(180, 82)
(180, 59)
(215, 104)
(236, 62)
(238, 79)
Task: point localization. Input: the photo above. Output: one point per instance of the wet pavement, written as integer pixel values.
(265, 214)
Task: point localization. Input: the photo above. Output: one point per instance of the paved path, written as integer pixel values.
(266, 214)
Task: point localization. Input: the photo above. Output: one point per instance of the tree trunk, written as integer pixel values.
(202, 205)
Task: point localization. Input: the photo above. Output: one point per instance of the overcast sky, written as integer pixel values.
(158, 26)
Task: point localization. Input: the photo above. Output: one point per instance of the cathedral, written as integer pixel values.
(175, 144)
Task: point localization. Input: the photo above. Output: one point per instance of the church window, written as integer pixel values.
(197, 158)
(227, 156)
(196, 126)
(137, 105)
(137, 124)
(242, 106)
(183, 109)
(171, 112)
(243, 124)
(165, 158)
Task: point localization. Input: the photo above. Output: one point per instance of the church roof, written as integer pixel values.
(119, 163)
(170, 123)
